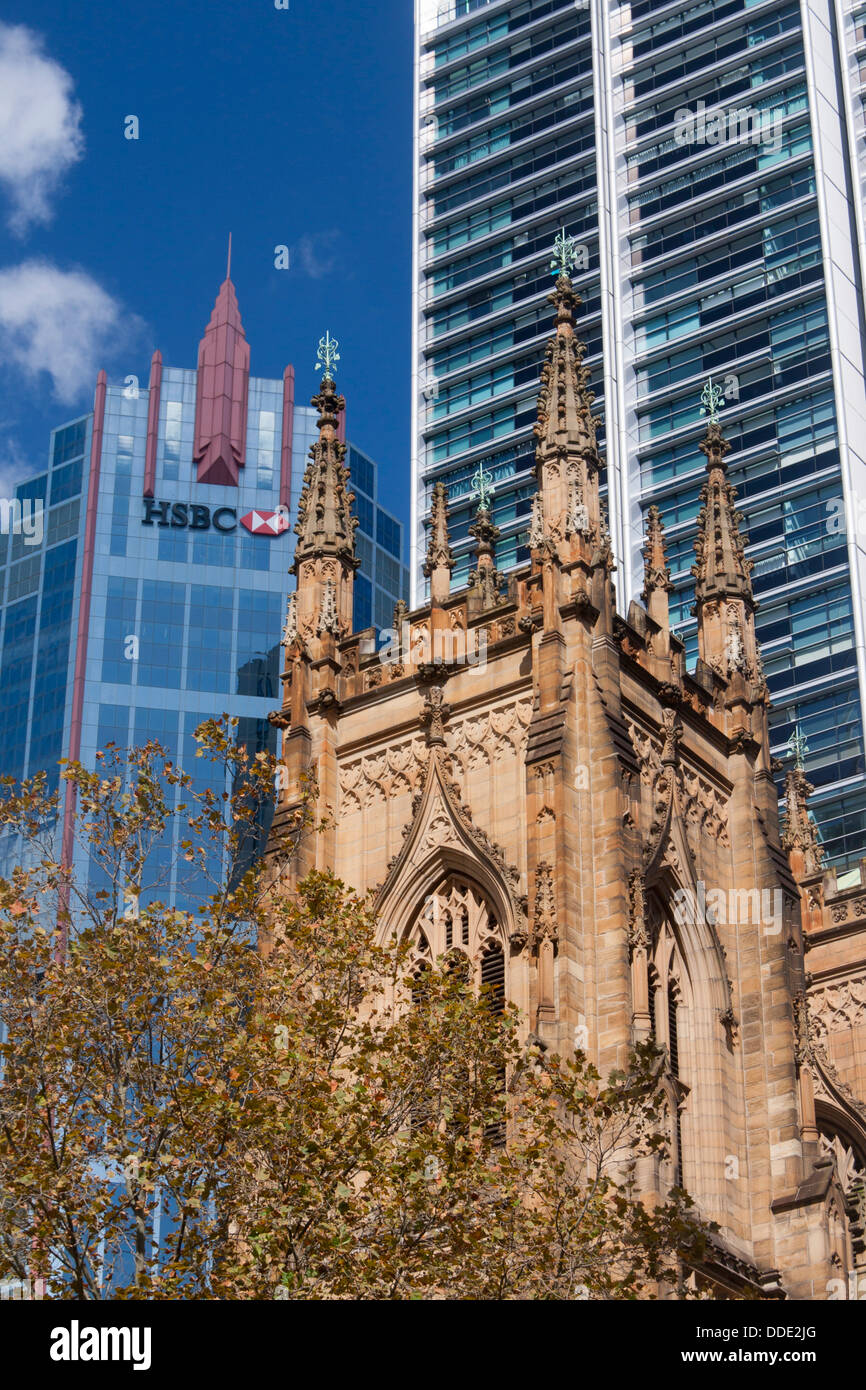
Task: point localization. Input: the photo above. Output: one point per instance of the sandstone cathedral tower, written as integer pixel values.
(597, 828)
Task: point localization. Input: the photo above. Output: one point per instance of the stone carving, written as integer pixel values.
(544, 924)
(638, 930)
(802, 1030)
(440, 831)
(836, 1008)
(471, 743)
(699, 803)
(420, 641)
(487, 739)
(434, 714)
(377, 778)
(449, 822)
(290, 631)
(536, 523)
(329, 620)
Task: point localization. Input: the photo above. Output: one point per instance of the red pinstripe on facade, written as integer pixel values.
(285, 497)
(152, 424)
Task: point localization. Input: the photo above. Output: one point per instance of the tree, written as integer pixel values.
(184, 1114)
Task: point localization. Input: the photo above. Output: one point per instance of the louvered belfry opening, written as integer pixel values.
(673, 1040)
(493, 985)
(493, 976)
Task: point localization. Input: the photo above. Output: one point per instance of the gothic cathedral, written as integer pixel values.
(538, 781)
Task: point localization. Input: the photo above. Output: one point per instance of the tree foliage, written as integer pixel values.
(259, 1100)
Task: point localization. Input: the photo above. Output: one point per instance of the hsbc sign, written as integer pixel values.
(267, 523)
(195, 516)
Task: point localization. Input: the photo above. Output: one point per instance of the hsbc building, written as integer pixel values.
(158, 592)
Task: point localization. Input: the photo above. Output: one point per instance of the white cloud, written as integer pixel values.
(317, 254)
(40, 125)
(60, 322)
(15, 467)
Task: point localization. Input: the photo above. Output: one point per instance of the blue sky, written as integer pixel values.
(285, 127)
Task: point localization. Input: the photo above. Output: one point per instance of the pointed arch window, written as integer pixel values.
(458, 920)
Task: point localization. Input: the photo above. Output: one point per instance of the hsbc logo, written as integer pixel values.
(267, 523)
(195, 516)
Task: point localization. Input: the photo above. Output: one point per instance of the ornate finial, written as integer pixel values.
(325, 524)
(329, 620)
(484, 580)
(290, 631)
(434, 715)
(483, 481)
(711, 400)
(439, 561)
(401, 609)
(657, 575)
(229, 261)
(328, 357)
(800, 831)
(565, 254)
(799, 747)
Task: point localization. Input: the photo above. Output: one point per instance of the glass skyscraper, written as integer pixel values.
(707, 160)
(157, 595)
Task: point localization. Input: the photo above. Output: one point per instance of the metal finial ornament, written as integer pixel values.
(482, 480)
(328, 357)
(799, 747)
(564, 254)
(711, 400)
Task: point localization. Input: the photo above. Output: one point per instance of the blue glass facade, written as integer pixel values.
(184, 624)
(738, 258)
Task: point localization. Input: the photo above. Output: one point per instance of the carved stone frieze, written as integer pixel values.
(474, 742)
(834, 1008)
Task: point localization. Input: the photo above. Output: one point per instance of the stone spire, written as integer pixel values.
(566, 453)
(440, 560)
(800, 838)
(222, 392)
(724, 602)
(656, 575)
(325, 550)
(484, 581)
